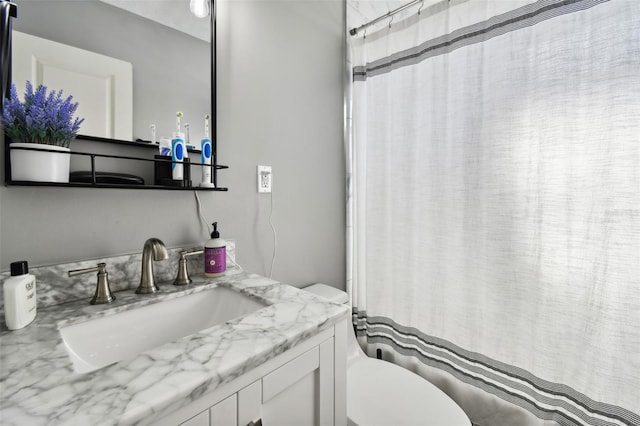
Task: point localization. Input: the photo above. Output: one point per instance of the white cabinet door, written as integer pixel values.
(304, 386)
(225, 412)
(298, 393)
(249, 399)
(201, 419)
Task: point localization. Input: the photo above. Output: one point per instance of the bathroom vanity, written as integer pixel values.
(283, 363)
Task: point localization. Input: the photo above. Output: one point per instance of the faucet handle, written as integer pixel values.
(103, 292)
(183, 273)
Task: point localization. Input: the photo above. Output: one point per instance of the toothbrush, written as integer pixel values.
(186, 132)
(178, 151)
(205, 155)
(178, 117)
(187, 140)
(153, 133)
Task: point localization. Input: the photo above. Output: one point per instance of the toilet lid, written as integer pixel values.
(380, 393)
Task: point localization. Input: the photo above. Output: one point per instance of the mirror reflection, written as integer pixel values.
(170, 68)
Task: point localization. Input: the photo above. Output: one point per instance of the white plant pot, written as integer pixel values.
(39, 166)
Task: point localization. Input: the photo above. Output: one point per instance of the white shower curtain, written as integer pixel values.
(494, 200)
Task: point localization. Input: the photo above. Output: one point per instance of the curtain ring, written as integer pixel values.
(421, 6)
(390, 21)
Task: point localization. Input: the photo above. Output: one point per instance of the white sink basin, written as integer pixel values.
(97, 343)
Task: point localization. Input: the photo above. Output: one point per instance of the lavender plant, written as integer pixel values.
(42, 118)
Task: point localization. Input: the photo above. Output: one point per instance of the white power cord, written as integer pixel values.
(199, 207)
(235, 263)
(275, 238)
(273, 230)
(200, 213)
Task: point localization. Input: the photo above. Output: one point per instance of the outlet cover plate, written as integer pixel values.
(265, 181)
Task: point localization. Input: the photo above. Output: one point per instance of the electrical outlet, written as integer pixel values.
(264, 179)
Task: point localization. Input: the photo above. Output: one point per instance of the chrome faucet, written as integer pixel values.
(183, 273)
(156, 248)
(103, 292)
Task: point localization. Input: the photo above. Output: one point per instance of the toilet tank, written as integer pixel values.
(328, 292)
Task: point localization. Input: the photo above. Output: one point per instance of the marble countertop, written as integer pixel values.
(38, 385)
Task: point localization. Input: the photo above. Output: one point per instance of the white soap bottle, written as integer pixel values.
(215, 254)
(19, 293)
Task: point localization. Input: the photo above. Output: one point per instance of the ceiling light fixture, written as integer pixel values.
(200, 8)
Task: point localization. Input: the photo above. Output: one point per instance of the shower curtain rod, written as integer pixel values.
(354, 31)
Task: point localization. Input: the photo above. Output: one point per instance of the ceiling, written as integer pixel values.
(172, 13)
(175, 13)
(362, 11)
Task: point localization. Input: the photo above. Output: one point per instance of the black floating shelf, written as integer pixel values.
(94, 173)
(111, 185)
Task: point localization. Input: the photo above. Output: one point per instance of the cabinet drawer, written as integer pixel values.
(285, 376)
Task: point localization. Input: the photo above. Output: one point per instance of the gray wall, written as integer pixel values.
(280, 104)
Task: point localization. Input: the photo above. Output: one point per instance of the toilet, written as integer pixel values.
(380, 393)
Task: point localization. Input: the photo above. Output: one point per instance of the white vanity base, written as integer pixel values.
(303, 386)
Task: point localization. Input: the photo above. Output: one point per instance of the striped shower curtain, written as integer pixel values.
(494, 205)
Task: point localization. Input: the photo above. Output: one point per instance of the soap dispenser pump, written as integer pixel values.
(215, 254)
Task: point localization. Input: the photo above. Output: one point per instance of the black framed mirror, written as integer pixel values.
(8, 11)
(172, 70)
